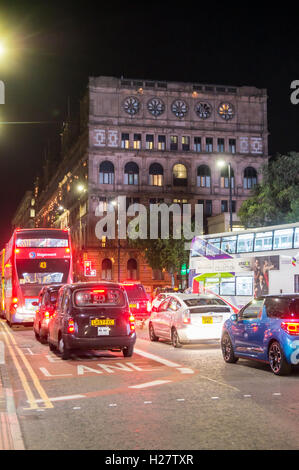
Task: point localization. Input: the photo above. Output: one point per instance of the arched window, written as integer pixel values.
(156, 174)
(203, 176)
(131, 173)
(224, 178)
(250, 177)
(106, 173)
(179, 173)
(107, 269)
(132, 269)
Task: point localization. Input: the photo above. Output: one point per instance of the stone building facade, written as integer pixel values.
(153, 142)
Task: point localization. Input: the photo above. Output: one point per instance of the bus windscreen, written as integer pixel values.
(42, 271)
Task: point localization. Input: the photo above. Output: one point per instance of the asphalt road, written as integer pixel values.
(161, 398)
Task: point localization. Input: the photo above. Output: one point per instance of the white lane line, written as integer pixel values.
(166, 362)
(276, 394)
(2, 355)
(147, 402)
(215, 398)
(113, 404)
(180, 399)
(150, 384)
(185, 370)
(246, 396)
(66, 397)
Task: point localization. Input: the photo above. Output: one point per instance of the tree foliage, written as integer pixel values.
(275, 200)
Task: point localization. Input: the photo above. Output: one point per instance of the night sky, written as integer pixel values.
(52, 49)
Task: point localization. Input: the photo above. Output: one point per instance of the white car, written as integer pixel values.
(188, 318)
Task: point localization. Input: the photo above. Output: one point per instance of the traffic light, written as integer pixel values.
(87, 268)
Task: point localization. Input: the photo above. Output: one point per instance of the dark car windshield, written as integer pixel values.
(135, 292)
(284, 308)
(196, 302)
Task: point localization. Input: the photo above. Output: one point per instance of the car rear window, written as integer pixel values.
(135, 292)
(197, 302)
(99, 296)
(282, 308)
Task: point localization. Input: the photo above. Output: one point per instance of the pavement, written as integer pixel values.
(10, 431)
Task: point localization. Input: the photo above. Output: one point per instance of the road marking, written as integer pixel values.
(180, 399)
(215, 398)
(163, 361)
(185, 370)
(34, 377)
(150, 384)
(147, 402)
(276, 394)
(65, 397)
(2, 354)
(113, 404)
(246, 396)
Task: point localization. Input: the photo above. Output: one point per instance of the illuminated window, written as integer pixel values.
(283, 239)
(245, 243)
(203, 176)
(185, 143)
(161, 142)
(125, 141)
(149, 142)
(173, 142)
(179, 175)
(250, 178)
(224, 177)
(106, 175)
(156, 174)
(263, 241)
(137, 141)
(131, 175)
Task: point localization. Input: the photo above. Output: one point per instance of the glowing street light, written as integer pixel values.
(2, 49)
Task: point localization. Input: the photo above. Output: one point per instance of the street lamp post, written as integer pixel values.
(221, 163)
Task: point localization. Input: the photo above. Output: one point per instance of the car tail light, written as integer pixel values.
(17, 250)
(291, 327)
(47, 315)
(132, 322)
(67, 250)
(71, 326)
(187, 318)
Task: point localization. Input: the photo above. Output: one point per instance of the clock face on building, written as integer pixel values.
(226, 111)
(131, 105)
(179, 108)
(203, 109)
(156, 106)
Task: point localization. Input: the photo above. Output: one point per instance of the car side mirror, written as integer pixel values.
(234, 317)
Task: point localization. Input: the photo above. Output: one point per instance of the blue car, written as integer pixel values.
(267, 330)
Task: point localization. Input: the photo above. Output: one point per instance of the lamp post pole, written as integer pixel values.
(230, 197)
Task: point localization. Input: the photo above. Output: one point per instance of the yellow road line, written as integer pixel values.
(34, 377)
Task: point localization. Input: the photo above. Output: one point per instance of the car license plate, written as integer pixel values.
(207, 319)
(133, 305)
(102, 322)
(103, 330)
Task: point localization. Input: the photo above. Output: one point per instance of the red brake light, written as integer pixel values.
(47, 315)
(71, 326)
(187, 319)
(132, 322)
(17, 250)
(15, 300)
(99, 291)
(67, 250)
(291, 327)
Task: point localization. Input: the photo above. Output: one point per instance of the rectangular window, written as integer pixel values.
(173, 142)
(213, 245)
(224, 206)
(209, 144)
(156, 180)
(149, 142)
(263, 241)
(137, 141)
(161, 142)
(296, 238)
(197, 144)
(212, 284)
(207, 206)
(220, 145)
(125, 141)
(245, 243)
(229, 244)
(131, 201)
(185, 143)
(244, 285)
(232, 145)
(283, 239)
(227, 286)
(296, 283)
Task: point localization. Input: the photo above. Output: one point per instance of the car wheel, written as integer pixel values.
(175, 339)
(228, 350)
(128, 351)
(36, 335)
(151, 333)
(64, 351)
(277, 360)
(52, 346)
(43, 339)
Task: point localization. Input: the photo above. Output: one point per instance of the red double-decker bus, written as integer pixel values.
(32, 259)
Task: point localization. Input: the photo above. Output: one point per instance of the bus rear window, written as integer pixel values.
(41, 242)
(99, 296)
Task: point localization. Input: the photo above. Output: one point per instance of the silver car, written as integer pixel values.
(189, 318)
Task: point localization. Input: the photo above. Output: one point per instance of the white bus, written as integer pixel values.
(240, 265)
